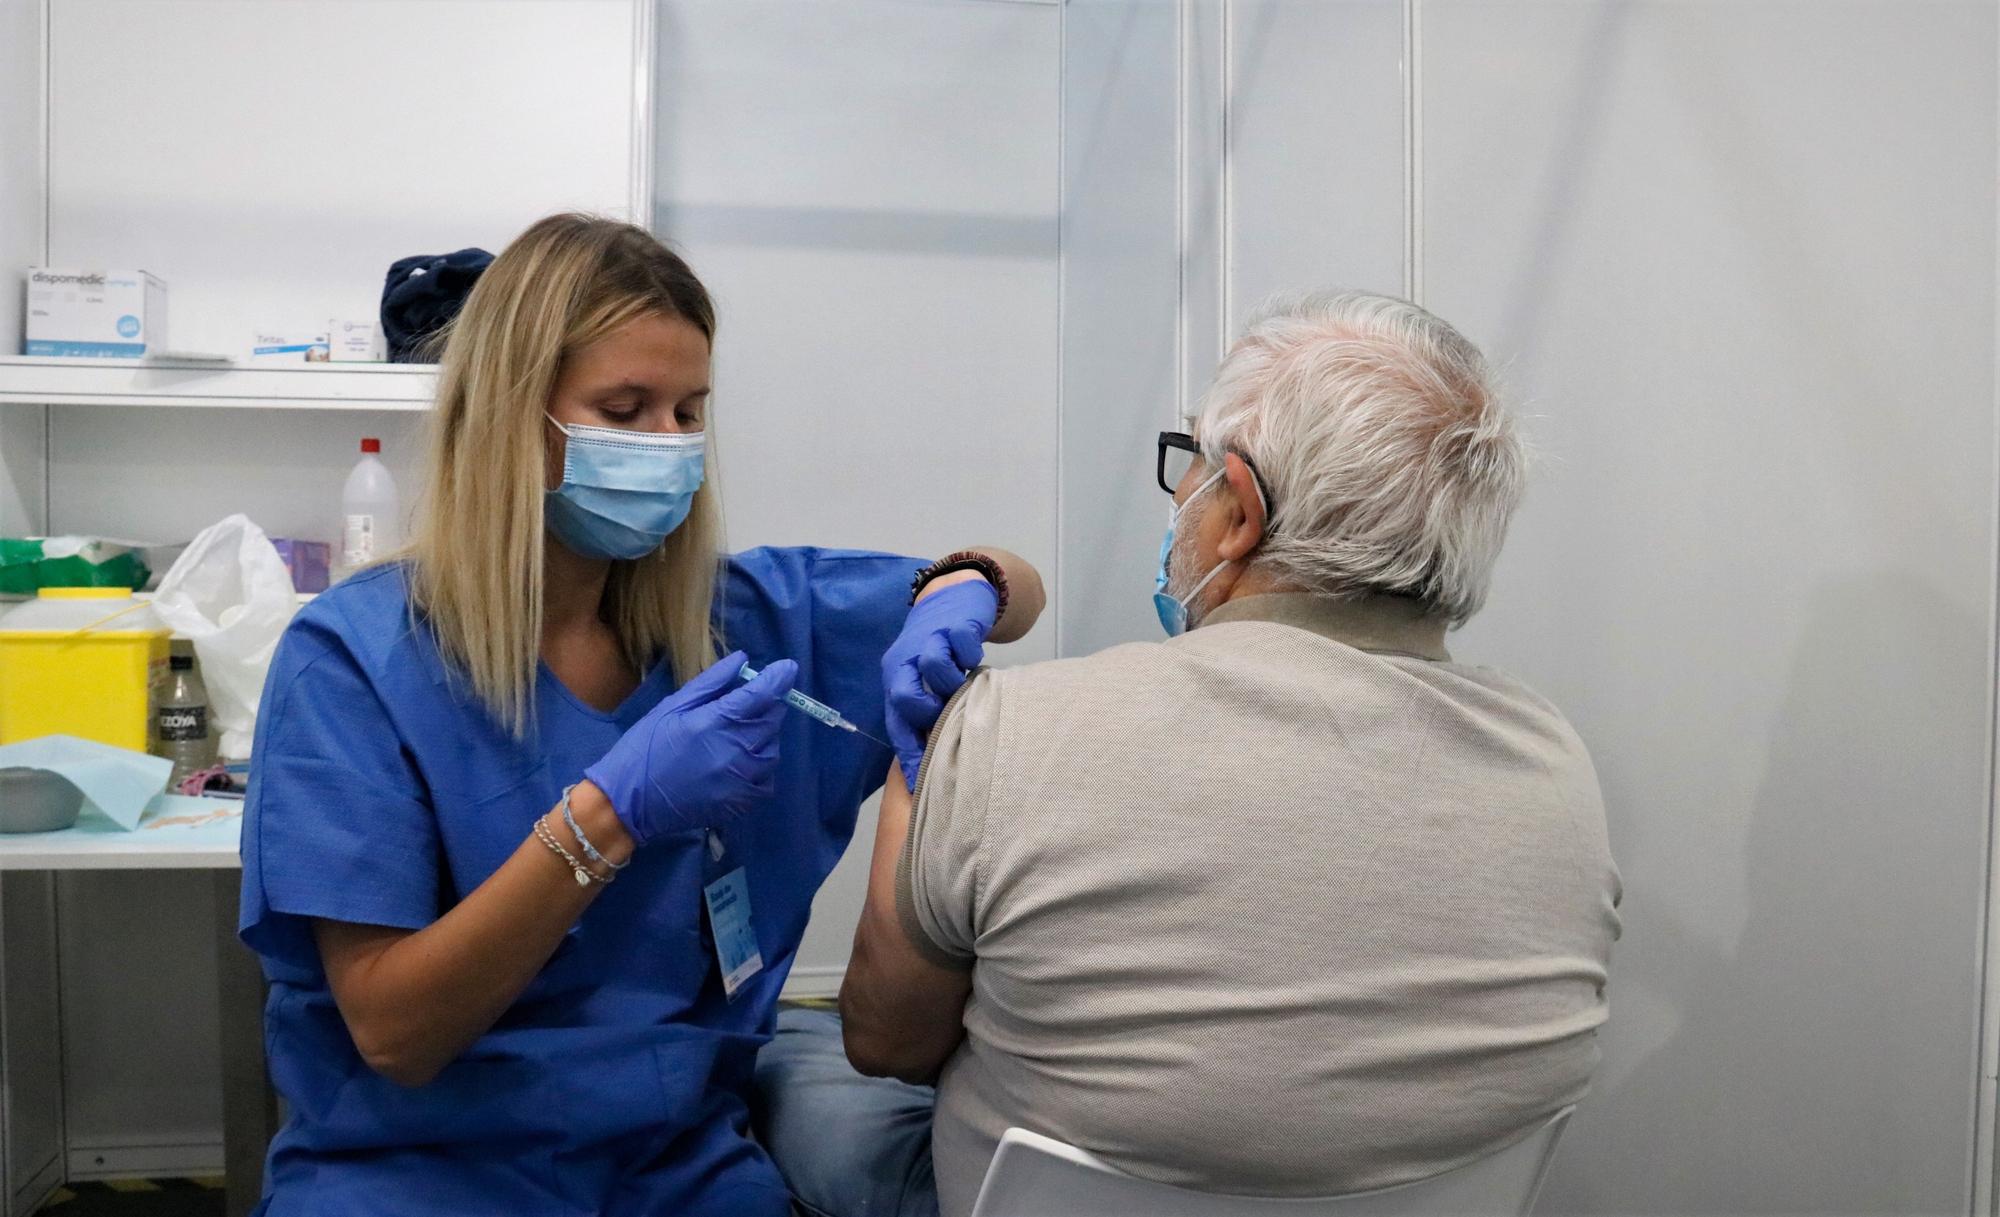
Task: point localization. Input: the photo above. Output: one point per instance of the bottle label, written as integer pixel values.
(180, 723)
(357, 539)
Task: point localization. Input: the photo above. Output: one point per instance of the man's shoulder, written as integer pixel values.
(1124, 692)
(1145, 675)
(1122, 671)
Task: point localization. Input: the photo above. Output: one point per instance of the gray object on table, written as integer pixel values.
(37, 800)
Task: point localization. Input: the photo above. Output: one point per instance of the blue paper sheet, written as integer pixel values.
(116, 782)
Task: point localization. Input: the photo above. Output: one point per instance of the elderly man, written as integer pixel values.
(1294, 903)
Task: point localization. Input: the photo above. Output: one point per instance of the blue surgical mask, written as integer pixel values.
(623, 492)
(1174, 613)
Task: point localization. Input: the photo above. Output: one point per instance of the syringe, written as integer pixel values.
(817, 709)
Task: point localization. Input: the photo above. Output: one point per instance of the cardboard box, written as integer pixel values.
(288, 346)
(354, 341)
(118, 314)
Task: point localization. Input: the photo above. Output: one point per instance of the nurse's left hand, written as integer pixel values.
(943, 639)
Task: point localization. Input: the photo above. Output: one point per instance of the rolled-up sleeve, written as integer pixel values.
(337, 824)
(940, 875)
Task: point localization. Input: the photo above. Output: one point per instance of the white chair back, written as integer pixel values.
(1037, 1176)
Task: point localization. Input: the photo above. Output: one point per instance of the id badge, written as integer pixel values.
(735, 936)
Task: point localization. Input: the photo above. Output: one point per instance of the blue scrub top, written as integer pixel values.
(382, 793)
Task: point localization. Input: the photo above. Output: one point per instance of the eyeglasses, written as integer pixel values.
(1178, 453)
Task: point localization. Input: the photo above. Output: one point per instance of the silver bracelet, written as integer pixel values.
(584, 875)
(589, 850)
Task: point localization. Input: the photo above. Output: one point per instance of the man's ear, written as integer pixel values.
(1243, 511)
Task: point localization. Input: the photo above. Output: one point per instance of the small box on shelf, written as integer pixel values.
(95, 314)
(288, 346)
(354, 341)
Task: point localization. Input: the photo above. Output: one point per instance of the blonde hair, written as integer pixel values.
(476, 560)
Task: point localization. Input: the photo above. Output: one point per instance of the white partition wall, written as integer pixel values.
(1121, 313)
(869, 189)
(1317, 148)
(21, 151)
(1214, 153)
(23, 229)
(215, 141)
(1739, 260)
(1738, 263)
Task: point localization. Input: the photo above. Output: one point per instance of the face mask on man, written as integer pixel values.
(623, 492)
(1173, 610)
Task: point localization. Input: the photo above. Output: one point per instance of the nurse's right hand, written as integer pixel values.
(704, 755)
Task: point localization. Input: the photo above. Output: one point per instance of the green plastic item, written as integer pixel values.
(18, 559)
(30, 563)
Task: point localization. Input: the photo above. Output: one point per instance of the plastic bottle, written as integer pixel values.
(370, 516)
(181, 731)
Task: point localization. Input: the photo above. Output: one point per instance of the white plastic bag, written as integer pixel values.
(231, 595)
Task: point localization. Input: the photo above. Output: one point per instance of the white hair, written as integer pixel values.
(1390, 463)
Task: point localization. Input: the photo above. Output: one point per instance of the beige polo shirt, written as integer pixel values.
(1292, 904)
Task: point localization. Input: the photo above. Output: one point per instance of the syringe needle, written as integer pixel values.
(814, 709)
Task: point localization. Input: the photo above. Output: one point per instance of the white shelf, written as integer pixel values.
(137, 382)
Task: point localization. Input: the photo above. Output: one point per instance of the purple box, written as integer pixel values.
(307, 560)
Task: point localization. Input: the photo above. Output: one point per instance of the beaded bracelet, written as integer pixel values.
(589, 850)
(965, 559)
(584, 875)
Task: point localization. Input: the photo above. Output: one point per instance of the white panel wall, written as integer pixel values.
(21, 230)
(1316, 148)
(165, 474)
(869, 189)
(270, 160)
(1204, 190)
(21, 152)
(1120, 314)
(1740, 260)
(1214, 154)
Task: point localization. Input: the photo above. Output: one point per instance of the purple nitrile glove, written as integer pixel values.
(704, 755)
(943, 639)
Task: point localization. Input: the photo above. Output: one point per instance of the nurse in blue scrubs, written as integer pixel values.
(526, 863)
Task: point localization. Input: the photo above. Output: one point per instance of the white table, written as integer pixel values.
(190, 834)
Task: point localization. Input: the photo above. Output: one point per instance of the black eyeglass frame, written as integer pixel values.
(1172, 439)
(1186, 443)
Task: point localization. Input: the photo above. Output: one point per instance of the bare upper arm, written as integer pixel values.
(901, 1012)
(349, 952)
(901, 1016)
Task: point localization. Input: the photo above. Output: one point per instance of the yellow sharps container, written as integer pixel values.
(84, 661)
